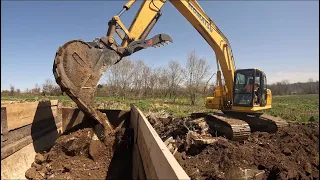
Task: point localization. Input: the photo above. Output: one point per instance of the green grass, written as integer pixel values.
(292, 107)
(296, 107)
(179, 108)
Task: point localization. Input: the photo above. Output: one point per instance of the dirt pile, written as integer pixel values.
(81, 154)
(291, 153)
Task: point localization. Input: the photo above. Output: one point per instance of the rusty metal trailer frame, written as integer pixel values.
(28, 128)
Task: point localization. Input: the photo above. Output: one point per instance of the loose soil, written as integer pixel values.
(291, 153)
(82, 155)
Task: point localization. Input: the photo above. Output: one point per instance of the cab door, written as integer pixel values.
(263, 89)
(243, 96)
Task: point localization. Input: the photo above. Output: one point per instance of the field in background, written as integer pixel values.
(290, 107)
(296, 107)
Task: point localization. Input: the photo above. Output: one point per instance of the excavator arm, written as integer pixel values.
(78, 65)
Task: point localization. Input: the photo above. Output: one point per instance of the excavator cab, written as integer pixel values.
(250, 93)
(250, 89)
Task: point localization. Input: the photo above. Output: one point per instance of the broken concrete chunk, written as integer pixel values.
(253, 174)
(168, 141)
(171, 144)
(245, 174)
(201, 125)
(205, 140)
(200, 138)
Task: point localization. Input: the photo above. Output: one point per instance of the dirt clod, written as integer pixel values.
(96, 149)
(33, 174)
(290, 153)
(35, 165)
(286, 151)
(308, 168)
(39, 159)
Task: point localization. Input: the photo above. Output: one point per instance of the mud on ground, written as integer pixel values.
(291, 153)
(81, 154)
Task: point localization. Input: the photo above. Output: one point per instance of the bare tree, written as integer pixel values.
(18, 91)
(50, 88)
(27, 91)
(57, 91)
(36, 89)
(120, 76)
(175, 72)
(5, 93)
(138, 76)
(11, 90)
(310, 82)
(154, 82)
(146, 76)
(195, 71)
(285, 86)
(163, 82)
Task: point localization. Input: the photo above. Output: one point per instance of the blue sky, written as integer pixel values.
(279, 37)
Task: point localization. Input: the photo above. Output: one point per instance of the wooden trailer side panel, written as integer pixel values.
(22, 114)
(151, 158)
(28, 128)
(157, 160)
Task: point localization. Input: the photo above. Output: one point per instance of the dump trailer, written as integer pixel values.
(29, 128)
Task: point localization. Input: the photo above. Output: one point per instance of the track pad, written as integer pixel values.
(77, 69)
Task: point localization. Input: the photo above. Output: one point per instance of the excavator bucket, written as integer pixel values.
(77, 69)
(78, 66)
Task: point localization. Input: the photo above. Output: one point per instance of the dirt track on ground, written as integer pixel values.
(291, 153)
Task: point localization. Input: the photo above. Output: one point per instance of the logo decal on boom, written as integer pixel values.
(204, 21)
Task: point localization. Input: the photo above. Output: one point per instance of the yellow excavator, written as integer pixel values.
(78, 66)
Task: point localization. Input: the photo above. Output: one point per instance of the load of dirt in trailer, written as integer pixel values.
(82, 154)
(291, 153)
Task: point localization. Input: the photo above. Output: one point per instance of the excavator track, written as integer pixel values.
(265, 123)
(238, 127)
(225, 125)
(259, 122)
(280, 123)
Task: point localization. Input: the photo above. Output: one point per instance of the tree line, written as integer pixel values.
(135, 79)
(286, 88)
(48, 88)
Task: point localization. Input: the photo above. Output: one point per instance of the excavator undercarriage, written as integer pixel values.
(238, 127)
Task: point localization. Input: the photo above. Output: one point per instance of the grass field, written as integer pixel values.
(296, 107)
(290, 107)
